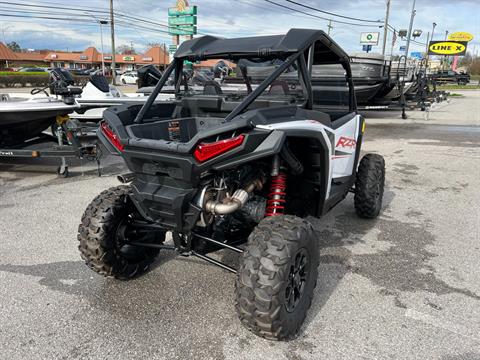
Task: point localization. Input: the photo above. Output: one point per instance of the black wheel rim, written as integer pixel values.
(297, 278)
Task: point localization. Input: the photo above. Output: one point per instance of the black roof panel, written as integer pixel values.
(295, 40)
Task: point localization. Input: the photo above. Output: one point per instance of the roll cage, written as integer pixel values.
(300, 48)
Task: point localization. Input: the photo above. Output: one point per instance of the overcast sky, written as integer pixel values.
(230, 19)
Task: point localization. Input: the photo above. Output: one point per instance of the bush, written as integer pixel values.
(10, 81)
(19, 73)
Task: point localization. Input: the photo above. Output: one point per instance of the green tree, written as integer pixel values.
(126, 50)
(14, 46)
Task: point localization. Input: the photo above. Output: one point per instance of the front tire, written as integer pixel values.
(369, 186)
(102, 234)
(277, 276)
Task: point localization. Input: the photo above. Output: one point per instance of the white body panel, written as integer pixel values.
(342, 154)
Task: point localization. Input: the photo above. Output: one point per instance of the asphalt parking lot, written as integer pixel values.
(404, 286)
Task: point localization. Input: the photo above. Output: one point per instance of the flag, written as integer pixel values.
(394, 38)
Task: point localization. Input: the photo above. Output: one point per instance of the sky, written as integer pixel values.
(233, 18)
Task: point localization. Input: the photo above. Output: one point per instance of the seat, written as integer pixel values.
(279, 87)
(212, 88)
(100, 82)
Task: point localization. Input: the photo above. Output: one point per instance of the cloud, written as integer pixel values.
(245, 18)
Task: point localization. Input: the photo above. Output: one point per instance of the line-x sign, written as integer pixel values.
(447, 47)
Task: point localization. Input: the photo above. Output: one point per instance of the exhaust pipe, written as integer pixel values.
(126, 178)
(235, 202)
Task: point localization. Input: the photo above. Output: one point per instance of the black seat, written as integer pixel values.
(212, 88)
(100, 82)
(279, 88)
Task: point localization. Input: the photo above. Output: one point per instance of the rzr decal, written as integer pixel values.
(345, 142)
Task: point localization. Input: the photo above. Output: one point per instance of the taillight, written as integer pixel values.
(114, 140)
(207, 151)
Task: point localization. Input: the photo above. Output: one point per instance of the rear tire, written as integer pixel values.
(100, 235)
(369, 186)
(277, 276)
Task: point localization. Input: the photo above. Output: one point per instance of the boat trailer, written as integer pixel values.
(66, 139)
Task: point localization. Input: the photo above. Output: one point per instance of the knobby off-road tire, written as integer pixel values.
(264, 281)
(369, 186)
(100, 240)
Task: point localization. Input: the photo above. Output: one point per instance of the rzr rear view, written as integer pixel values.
(237, 165)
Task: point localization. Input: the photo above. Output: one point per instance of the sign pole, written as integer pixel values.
(385, 32)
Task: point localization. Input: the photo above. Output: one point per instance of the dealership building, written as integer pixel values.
(87, 59)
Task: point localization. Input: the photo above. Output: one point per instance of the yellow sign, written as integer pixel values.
(460, 36)
(447, 48)
(182, 5)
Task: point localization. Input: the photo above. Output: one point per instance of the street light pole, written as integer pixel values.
(385, 32)
(112, 33)
(410, 29)
(102, 22)
(330, 27)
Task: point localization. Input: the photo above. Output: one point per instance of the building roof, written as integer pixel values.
(295, 40)
(30, 56)
(6, 53)
(212, 62)
(155, 55)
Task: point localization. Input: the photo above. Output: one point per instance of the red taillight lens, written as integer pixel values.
(206, 151)
(111, 136)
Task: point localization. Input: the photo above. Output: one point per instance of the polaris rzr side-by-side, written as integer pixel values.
(237, 166)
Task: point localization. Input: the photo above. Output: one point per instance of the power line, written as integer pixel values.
(331, 13)
(315, 16)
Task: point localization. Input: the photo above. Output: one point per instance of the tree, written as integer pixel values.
(126, 50)
(14, 46)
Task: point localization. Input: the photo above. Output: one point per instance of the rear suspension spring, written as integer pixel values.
(276, 198)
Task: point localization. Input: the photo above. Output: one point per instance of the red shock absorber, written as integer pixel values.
(276, 198)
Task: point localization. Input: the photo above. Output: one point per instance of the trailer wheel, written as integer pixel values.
(103, 235)
(277, 276)
(369, 186)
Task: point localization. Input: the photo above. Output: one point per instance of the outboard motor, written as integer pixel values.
(60, 78)
(60, 84)
(148, 75)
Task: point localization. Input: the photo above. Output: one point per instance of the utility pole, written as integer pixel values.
(410, 29)
(330, 27)
(385, 31)
(445, 58)
(428, 43)
(112, 31)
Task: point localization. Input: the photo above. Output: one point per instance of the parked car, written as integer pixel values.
(129, 78)
(450, 76)
(33, 69)
(80, 72)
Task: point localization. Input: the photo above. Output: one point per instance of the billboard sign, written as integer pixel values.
(447, 47)
(183, 30)
(367, 48)
(182, 20)
(416, 55)
(369, 38)
(179, 10)
(460, 36)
